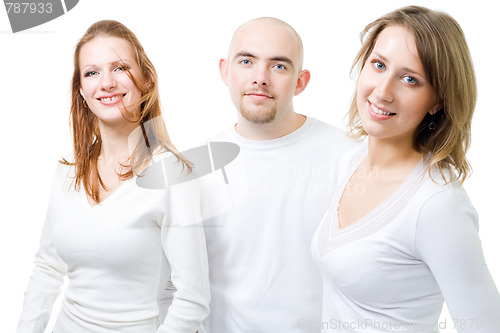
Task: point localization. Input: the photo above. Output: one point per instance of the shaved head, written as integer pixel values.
(264, 72)
(270, 24)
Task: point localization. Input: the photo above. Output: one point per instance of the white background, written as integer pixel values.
(185, 40)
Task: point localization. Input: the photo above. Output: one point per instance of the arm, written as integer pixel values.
(44, 285)
(166, 301)
(447, 241)
(183, 241)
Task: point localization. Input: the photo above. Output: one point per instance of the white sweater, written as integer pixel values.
(118, 256)
(390, 270)
(262, 276)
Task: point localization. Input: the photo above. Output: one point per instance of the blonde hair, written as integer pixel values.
(444, 53)
(87, 141)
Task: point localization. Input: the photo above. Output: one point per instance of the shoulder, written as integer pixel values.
(319, 127)
(446, 224)
(65, 166)
(446, 196)
(445, 206)
(62, 181)
(329, 137)
(65, 170)
(438, 190)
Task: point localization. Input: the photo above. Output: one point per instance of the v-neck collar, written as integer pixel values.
(109, 199)
(332, 236)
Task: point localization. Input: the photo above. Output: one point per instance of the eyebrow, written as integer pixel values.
(405, 69)
(244, 54)
(121, 62)
(277, 58)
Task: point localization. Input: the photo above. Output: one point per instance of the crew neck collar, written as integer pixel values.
(278, 142)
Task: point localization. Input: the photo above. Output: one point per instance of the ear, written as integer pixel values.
(81, 93)
(223, 69)
(435, 108)
(147, 84)
(302, 81)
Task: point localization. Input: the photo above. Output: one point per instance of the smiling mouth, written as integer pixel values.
(110, 99)
(381, 112)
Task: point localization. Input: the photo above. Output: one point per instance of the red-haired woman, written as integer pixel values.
(118, 243)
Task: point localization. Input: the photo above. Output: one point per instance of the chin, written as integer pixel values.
(375, 131)
(258, 117)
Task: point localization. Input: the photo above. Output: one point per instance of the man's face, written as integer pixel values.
(263, 70)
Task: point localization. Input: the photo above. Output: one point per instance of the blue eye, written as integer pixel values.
(280, 67)
(378, 65)
(410, 80)
(245, 61)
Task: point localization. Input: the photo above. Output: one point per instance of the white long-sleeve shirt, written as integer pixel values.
(262, 276)
(118, 256)
(391, 270)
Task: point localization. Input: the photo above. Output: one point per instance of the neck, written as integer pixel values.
(277, 128)
(115, 143)
(391, 154)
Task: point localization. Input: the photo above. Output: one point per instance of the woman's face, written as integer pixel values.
(105, 85)
(393, 93)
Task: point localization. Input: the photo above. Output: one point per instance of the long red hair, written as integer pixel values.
(87, 141)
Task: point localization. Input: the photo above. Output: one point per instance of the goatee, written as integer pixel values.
(262, 116)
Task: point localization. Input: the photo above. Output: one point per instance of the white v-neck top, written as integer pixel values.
(391, 270)
(118, 256)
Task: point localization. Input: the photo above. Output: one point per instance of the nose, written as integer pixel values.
(384, 89)
(107, 81)
(261, 77)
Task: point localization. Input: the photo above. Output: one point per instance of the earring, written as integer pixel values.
(432, 124)
(85, 104)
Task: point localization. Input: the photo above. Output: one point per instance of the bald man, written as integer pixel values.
(262, 277)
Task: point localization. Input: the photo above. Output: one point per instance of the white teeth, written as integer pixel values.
(380, 111)
(109, 99)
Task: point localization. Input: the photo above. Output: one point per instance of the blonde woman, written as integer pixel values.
(117, 243)
(401, 235)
